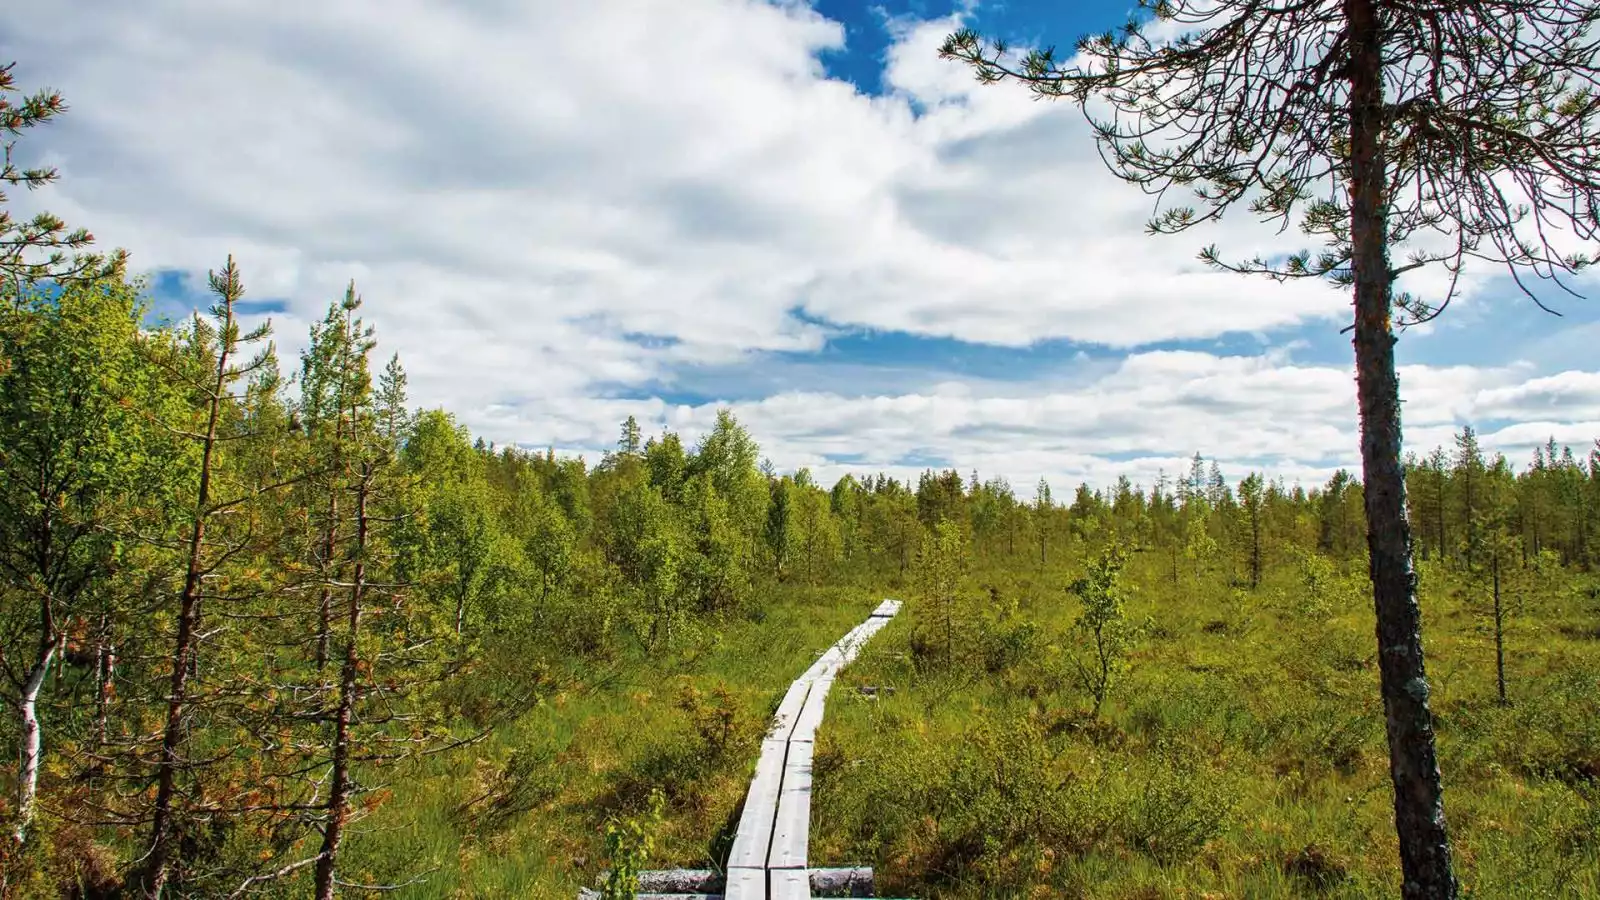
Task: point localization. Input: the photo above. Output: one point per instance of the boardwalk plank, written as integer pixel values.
(789, 884)
(768, 857)
(810, 718)
(789, 710)
(754, 836)
(792, 830)
(746, 884)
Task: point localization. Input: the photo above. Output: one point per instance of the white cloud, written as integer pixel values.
(518, 187)
(1150, 414)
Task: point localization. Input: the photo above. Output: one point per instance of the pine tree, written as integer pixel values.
(1042, 506)
(1252, 504)
(219, 531)
(628, 444)
(334, 380)
(1469, 476)
(22, 242)
(394, 419)
(940, 566)
(1104, 623)
(1374, 123)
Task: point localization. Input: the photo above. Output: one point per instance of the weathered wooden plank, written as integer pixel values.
(751, 841)
(852, 881)
(827, 664)
(592, 894)
(810, 718)
(746, 883)
(789, 710)
(791, 831)
(849, 651)
(833, 658)
(788, 884)
(768, 857)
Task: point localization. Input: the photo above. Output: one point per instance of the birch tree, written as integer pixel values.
(72, 444)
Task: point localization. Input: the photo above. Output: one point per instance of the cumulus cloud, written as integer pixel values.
(541, 201)
(1146, 416)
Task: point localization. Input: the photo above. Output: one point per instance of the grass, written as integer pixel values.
(594, 747)
(1242, 755)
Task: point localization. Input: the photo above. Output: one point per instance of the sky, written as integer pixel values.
(560, 214)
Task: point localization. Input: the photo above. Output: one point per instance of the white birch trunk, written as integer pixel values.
(32, 743)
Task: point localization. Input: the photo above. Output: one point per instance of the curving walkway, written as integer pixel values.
(768, 860)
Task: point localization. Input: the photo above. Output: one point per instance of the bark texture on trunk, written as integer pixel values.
(1413, 763)
(184, 662)
(32, 738)
(105, 680)
(1499, 635)
(325, 598)
(339, 783)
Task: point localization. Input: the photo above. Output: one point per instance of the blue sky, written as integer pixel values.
(795, 210)
(1019, 22)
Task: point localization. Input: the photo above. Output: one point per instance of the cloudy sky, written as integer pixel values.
(560, 213)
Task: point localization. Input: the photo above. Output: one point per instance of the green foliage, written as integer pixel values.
(23, 242)
(629, 843)
(530, 778)
(724, 730)
(719, 569)
(1322, 590)
(940, 566)
(1104, 624)
(1175, 806)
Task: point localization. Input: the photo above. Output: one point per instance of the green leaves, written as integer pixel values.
(1103, 624)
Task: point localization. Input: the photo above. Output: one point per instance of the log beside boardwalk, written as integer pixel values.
(688, 884)
(768, 859)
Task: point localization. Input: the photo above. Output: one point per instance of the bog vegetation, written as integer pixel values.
(273, 641)
(268, 630)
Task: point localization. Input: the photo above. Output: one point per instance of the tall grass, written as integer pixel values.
(523, 814)
(1242, 755)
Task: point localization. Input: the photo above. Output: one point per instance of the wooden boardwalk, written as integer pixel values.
(768, 861)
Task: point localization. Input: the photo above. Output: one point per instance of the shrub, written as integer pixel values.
(1173, 806)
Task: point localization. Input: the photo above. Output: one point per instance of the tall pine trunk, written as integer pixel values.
(183, 649)
(330, 541)
(1255, 550)
(461, 607)
(1499, 635)
(1439, 513)
(339, 781)
(1413, 763)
